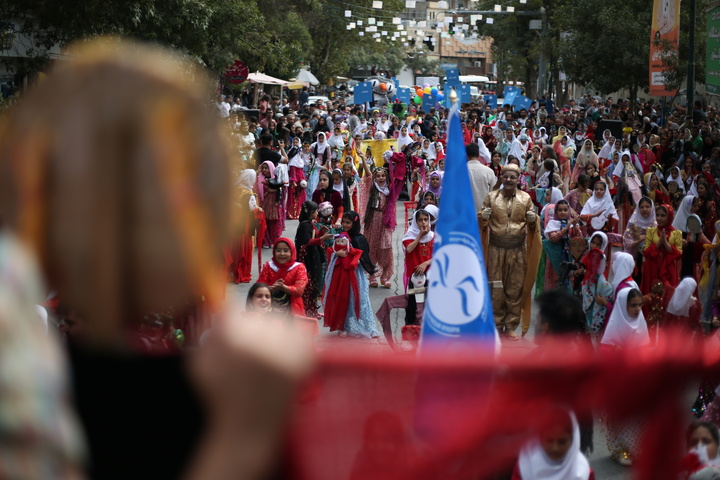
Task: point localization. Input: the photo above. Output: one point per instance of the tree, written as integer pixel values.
(333, 44)
(214, 32)
(604, 44)
(515, 47)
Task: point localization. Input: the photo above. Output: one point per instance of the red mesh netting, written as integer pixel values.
(400, 417)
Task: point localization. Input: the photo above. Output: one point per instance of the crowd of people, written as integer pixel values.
(624, 219)
(137, 214)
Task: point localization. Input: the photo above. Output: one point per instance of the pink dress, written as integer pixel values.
(378, 235)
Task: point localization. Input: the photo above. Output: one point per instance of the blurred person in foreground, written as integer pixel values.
(124, 200)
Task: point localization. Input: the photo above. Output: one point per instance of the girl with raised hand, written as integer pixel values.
(379, 221)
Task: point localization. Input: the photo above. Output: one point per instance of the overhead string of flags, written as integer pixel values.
(401, 27)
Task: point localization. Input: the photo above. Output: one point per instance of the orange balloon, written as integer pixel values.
(383, 87)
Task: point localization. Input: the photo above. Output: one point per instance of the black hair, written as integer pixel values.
(711, 427)
(254, 288)
(645, 199)
(422, 211)
(266, 139)
(308, 207)
(472, 150)
(583, 180)
(561, 311)
(633, 293)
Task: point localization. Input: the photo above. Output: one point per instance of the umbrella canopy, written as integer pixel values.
(307, 77)
(297, 85)
(258, 77)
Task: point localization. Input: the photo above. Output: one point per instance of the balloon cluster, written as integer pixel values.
(426, 89)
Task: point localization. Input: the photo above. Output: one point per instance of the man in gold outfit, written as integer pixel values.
(511, 243)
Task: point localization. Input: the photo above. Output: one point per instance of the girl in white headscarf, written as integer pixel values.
(555, 453)
(683, 310)
(642, 218)
(688, 206)
(599, 213)
(626, 328)
(626, 325)
(585, 156)
(623, 266)
(404, 139)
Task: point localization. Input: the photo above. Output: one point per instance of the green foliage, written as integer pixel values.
(215, 32)
(333, 45)
(515, 47)
(605, 44)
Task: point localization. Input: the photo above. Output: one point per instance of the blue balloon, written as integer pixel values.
(439, 97)
(434, 91)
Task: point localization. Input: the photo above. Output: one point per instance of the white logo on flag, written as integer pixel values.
(457, 291)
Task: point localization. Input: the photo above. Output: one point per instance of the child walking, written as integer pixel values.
(346, 299)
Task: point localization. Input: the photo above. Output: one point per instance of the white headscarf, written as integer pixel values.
(639, 220)
(604, 238)
(555, 196)
(534, 463)
(297, 160)
(321, 146)
(338, 187)
(584, 156)
(680, 302)
(622, 329)
(680, 222)
(517, 151)
(430, 152)
(623, 265)
(414, 230)
(606, 150)
(620, 168)
(594, 205)
(484, 152)
(246, 179)
(434, 211)
(679, 180)
(404, 140)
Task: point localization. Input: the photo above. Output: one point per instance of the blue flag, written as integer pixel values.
(458, 306)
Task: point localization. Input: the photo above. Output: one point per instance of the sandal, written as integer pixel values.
(374, 284)
(512, 335)
(387, 285)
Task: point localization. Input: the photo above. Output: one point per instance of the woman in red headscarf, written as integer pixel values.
(286, 277)
(662, 251)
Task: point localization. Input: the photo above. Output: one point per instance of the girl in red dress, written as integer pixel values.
(662, 251)
(286, 276)
(418, 244)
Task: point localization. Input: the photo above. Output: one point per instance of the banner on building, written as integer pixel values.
(712, 58)
(664, 37)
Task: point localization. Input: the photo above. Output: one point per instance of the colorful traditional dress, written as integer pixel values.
(347, 296)
(292, 273)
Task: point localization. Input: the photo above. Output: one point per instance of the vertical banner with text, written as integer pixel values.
(664, 37)
(712, 58)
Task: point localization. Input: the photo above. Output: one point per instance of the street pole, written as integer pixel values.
(542, 67)
(691, 62)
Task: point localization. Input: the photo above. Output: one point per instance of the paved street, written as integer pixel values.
(600, 460)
